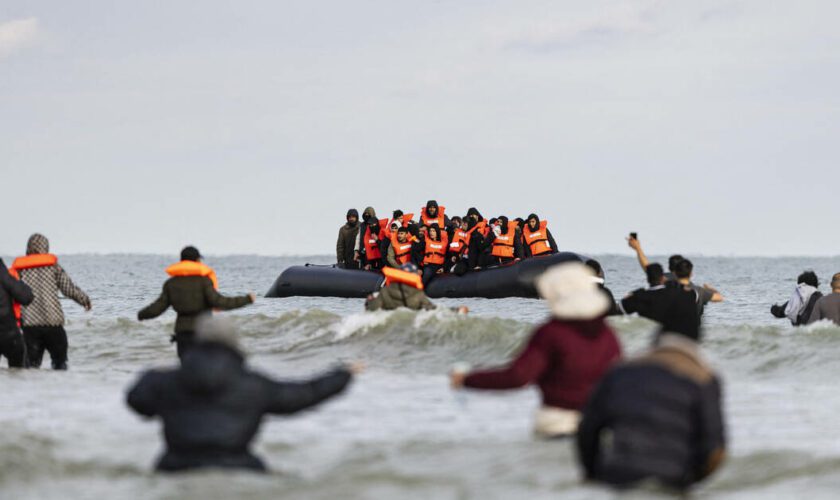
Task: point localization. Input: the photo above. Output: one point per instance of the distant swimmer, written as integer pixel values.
(43, 319)
(828, 307)
(212, 406)
(192, 293)
(801, 303)
(565, 357)
(538, 239)
(403, 288)
(13, 294)
(346, 244)
(656, 418)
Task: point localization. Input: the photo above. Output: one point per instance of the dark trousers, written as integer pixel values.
(52, 339)
(183, 341)
(429, 272)
(13, 348)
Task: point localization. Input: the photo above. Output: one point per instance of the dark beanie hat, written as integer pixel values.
(190, 253)
(353, 212)
(431, 203)
(398, 213)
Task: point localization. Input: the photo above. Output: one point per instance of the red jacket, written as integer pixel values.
(565, 358)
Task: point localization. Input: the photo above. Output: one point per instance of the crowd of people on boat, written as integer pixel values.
(437, 243)
(655, 417)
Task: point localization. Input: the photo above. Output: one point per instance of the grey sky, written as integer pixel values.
(250, 127)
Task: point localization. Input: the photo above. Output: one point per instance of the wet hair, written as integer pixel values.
(655, 273)
(595, 266)
(398, 214)
(809, 278)
(673, 260)
(190, 253)
(683, 269)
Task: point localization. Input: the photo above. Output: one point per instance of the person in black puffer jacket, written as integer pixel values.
(212, 405)
(11, 341)
(663, 416)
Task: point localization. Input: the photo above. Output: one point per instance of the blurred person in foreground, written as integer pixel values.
(212, 405)
(565, 357)
(657, 418)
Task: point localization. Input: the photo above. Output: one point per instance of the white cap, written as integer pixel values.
(571, 292)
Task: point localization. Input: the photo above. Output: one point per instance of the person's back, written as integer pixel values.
(212, 406)
(12, 291)
(398, 295)
(43, 319)
(828, 307)
(663, 415)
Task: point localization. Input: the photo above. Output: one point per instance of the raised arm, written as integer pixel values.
(524, 370)
(640, 254)
(291, 397)
(69, 289)
(219, 301)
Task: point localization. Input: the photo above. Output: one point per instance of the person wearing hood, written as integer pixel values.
(192, 293)
(13, 294)
(212, 405)
(358, 256)
(373, 243)
(565, 357)
(432, 213)
(478, 254)
(346, 244)
(43, 319)
(504, 242)
(798, 309)
(537, 238)
(658, 418)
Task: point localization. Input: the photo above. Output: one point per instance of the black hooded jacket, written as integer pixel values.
(11, 290)
(553, 244)
(347, 234)
(212, 406)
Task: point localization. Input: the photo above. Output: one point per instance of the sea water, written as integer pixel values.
(399, 431)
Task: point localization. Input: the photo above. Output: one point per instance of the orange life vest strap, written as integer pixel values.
(399, 276)
(192, 268)
(406, 219)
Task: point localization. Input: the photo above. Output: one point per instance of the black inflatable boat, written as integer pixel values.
(512, 280)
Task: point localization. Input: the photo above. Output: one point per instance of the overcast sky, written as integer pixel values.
(250, 127)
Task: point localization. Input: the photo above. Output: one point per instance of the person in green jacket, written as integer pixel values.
(192, 293)
(411, 296)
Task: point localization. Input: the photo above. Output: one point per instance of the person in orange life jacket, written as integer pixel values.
(432, 213)
(372, 242)
(505, 242)
(434, 255)
(403, 287)
(43, 320)
(537, 238)
(477, 230)
(191, 291)
(367, 213)
(13, 293)
(457, 260)
(400, 250)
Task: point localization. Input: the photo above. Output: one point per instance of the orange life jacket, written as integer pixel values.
(460, 240)
(537, 240)
(402, 251)
(440, 220)
(436, 250)
(481, 227)
(393, 276)
(192, 268)
(29, 262)
(406, 219)
(503, 245)
(371, 244)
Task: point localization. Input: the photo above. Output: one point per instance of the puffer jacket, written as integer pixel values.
(212, 406)
(46, 282)
(11, 290)
(663, 415)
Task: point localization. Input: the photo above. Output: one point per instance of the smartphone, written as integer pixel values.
(635, 236)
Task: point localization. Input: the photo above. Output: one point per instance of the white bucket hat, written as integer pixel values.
(571, 292)
(218, 330)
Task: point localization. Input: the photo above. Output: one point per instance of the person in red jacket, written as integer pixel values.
(566, 357)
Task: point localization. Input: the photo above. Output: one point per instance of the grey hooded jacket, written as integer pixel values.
(46, 282)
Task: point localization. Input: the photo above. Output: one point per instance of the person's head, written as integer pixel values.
(219, 331)
(434, 232)
(502, 221)
(431, 208)
(394, 226)
(465, 223)
(808, 278)
(533, 222)
(410, 267)
(594, 265)
(423, 230)
(402, 234)
(456, 221)
(683, 268)
(368, 213)
(493, 222)
(37, 244)
(835, 283)
(571, 292)
(655, 274)
(474, 214)
(398, 215)
(352, 216)
(413, 229)
(673, 261)
(190, 253)
(373, 222)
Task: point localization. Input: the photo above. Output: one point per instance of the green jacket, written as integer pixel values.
(191, 297)
(399, 295)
